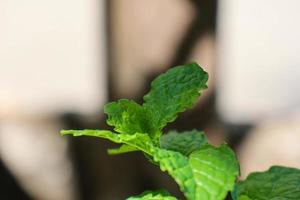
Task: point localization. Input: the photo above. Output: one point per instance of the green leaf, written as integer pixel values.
(244, 197)
(153, 195)
(174, 92)
(138, 141)
(124, 148)
(203, 172)
(207, 174)
(129, 117)
(278, 183)
(185, 142)
(177, 165)
(215, 170)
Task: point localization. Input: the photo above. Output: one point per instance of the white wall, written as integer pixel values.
(258, 70)
(51, 56)
(52, 59)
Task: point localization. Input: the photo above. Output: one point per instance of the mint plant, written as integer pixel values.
(202, 171)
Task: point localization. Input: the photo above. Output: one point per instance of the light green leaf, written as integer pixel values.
(153, 195)
(124, 148)
(177, 165)
(244, 197)
(139, 141)
(209, 173)
(278, 183)
(215, 170)
(95, 133)
(129, 117)
(185, 142)
(174, 92)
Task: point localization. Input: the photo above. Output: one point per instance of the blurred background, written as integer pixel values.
(62, 60)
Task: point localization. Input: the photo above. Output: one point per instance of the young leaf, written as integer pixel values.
(174, 91)
(138, 141)
(153, 195)
(276, 183)
(129, 117)
(185, 142)
(215, 170)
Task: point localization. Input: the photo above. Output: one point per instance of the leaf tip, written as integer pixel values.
(69, 132)
(65, 132)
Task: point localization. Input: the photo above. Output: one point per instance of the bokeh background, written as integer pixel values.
(62, 60)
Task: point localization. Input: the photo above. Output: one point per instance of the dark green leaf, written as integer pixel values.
(174, 92)
(185, 142)
(278, 183)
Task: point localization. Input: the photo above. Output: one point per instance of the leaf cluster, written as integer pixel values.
(202, 171)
